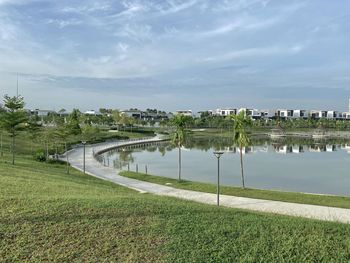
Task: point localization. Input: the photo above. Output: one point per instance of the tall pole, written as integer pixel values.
(84, 158)
(218, 155)
(179, 166)
(218, 184)
(17, 86)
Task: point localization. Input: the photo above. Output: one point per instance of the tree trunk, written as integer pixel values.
(67, 161)
(13, 149)
(47, 151)
(2, 153)
(241, 157)
(179, 163)
(56, 152)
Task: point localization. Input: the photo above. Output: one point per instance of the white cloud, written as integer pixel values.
(177, 6)
(135, 32)
(221, 29)
(229, 6)
(123, 46)
(87, 8)
(64, 23)
(255, 52)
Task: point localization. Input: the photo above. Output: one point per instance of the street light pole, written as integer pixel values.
(218, 155)
(83, 142)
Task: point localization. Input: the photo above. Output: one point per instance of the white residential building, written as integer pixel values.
(92, 112)
(345, 115)
(300, 114)
(225, 112)
(268, 113)
(333, 114)
(284, 113)
(253, 113)
(318, 114)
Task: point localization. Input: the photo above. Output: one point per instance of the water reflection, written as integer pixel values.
(123, 156)
(293, 165)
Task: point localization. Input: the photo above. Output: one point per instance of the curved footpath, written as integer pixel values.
(96, 169)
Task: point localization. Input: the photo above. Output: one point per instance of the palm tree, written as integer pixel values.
(179, 136)
(241, 138)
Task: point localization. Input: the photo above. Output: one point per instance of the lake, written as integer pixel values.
(288, 165)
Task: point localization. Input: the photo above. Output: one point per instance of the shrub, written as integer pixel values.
(40, 156)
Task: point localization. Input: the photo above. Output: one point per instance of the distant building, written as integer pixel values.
(134, 113)
(147, 115)
(284, 113)
(208, 112)
(184, 112)
(253, 113)
(42, 113)
(225, 112)
(291, 114)
(92, 112)
(318, 114)
(268, 114)
(300, 114)
(333, 114)
(345, 115)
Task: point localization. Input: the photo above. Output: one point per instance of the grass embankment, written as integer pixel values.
(324, 200)
(26, 145)
(47, 215)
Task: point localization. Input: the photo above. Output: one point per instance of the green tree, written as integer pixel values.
(90, 133)
(116, 115)
(179, 136)
(62, 134)
(33, 129)
(73, 122)
(13, 119)
(241, 137)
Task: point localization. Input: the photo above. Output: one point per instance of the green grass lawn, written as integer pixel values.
(335, 201)
(24, 145)
(47, 215)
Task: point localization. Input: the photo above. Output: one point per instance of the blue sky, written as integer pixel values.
(176, 54)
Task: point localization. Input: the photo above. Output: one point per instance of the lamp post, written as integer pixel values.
(83, 142)
(218, 155)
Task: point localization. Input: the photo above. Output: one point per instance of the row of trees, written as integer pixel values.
(209, 121)
(108, 118)
(14, 119)
(241, 123)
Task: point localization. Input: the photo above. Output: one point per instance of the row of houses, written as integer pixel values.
(276, 113)
(147, 115)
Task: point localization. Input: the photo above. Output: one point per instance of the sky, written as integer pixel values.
(176, 54)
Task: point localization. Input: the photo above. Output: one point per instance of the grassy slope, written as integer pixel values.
(336, 201)
(47, 215)
(24, 145)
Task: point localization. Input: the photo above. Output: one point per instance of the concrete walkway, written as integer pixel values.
(96, 169)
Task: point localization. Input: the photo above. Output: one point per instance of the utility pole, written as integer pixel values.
(17, 86)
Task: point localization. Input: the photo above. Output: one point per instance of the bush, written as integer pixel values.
(40, 156)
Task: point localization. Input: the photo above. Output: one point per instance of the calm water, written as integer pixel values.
(301, 166)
